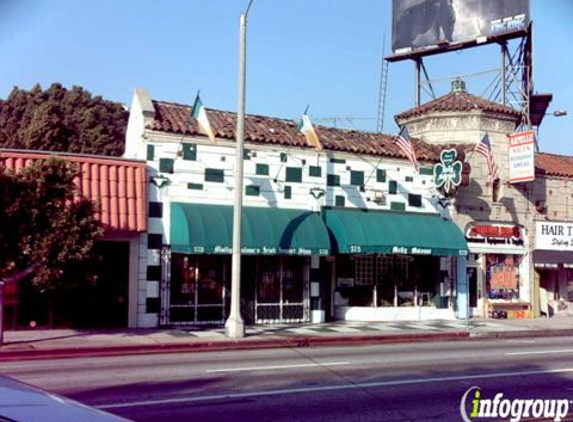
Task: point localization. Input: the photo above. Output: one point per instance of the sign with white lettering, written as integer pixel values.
(554, 236)
(522, 157)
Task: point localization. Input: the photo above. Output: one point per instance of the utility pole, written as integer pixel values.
(235, 326)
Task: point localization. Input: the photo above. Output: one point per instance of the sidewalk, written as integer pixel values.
(41, 343)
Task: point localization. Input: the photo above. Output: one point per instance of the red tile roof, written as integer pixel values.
(117, 185)
(175, 118)
(458, 102)
(553, 165)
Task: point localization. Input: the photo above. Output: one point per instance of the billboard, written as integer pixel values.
(522, 157)
(422, 24)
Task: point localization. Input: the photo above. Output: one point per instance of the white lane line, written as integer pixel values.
(539, 352)
(281, 392)
(264, 368)
(522, 341)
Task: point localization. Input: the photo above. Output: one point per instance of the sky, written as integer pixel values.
(326, 53)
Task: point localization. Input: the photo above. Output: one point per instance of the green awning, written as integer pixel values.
(363, 231)
(208, 229)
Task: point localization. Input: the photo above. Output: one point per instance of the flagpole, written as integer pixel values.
(235, 326)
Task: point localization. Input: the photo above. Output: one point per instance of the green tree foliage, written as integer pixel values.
(64, 120)
(44, 223)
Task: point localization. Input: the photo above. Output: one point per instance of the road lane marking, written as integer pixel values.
(539, 352)
(521, 341)
(263, 368)
(318, 389)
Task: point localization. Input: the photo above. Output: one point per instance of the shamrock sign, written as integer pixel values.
(448, 173)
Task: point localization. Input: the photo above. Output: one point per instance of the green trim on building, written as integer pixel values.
(356, 178)
(332, 180)
(189, 152)
(166, 165)
(150, 152)
(262, 169)
(315, 171)
(397, 206)
(252, 190)
(214, 175)
(293, 174)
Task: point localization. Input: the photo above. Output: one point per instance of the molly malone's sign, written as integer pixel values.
(448, 173)
(554, 236)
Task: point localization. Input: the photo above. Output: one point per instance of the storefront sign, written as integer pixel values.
(263, 250)
(496, 231)
(522, 157)
(554, 236)
(546, 265)
(448, 173)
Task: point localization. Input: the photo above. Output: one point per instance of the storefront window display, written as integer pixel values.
(387, 280)
(502, 276)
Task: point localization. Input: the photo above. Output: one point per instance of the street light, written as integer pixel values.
(559, 113)
(235, 326)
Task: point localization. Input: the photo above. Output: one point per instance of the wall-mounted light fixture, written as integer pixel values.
(317, 192)
(159, 180)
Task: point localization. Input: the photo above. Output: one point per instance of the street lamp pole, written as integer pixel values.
(235, 326)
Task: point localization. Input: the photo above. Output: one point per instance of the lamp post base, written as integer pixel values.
(235, 328)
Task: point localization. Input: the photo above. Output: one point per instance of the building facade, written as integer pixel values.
(517, 237)
(345, 229)
(118, 187)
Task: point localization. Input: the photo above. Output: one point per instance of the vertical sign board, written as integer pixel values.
(522, 157)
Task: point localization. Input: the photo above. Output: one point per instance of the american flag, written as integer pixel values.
(404, 143)
(483, 147)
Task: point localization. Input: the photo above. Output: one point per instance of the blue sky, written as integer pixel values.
(323, 52)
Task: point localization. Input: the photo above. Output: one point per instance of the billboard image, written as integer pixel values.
(421, 24)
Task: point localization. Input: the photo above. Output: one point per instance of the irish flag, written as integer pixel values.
(200, 114)
(305, 126)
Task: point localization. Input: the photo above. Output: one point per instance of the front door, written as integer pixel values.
(472, 273)
(197, 290)
(280, 289)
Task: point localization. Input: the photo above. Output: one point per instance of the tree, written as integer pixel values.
(46, 227)
(64, 120)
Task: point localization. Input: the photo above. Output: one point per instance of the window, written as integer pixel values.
(339, 200)
(380, 175)
(150, 152)
(190, 152)
(392, 187)
(284, 157)
(414, 200)
(293, 174)
(195, 186)
(166, 165)
(338, 160)
(356, 178)
(262, 169)
(246, 154)
(252, 190)
(409, 179)
(397, 206)
(288, 192)
(214, 175)
(314, 171)
(332, 180)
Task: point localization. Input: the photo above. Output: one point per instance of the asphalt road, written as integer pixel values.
(395, 382)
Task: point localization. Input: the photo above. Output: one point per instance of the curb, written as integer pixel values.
(227, 345)
(522, 334)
